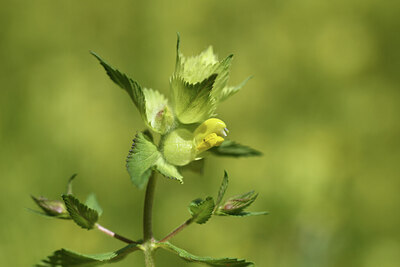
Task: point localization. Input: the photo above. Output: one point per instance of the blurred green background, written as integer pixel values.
(323, 106)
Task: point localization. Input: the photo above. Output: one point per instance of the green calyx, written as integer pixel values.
(181, 146)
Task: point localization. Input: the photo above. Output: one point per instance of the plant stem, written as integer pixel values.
(177, 230)
(148, 258)
(148, 239)
(115, 235)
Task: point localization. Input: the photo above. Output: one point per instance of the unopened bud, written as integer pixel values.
(51, 207)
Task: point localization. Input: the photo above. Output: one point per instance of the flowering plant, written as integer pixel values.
(189, 130)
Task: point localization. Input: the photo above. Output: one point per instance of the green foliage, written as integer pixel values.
(91, 202)
(82, 215)
(229, 91)
(197, 68)
(132, 87)
(198, 84)
(232, 149)
(142, 157)
(201, 210)
(66, 258)
(207, 260)
(191, 101)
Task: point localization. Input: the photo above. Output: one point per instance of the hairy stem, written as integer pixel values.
(148, 258)
(148, 209)
(115, 235)
(177, 230)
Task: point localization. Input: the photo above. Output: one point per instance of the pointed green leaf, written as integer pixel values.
(69, 185)
(201, 210)
(65, 258)
(222, 69)
(82, 215)
(222, 189)
(130, 86)
(192, 102)
(232, 149)
(159, 116)
(228, 91)
(92, 203)
(141, 158)
(231, 262)
(242, 213)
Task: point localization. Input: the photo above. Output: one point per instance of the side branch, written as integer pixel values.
(177, 230)
(115, 235)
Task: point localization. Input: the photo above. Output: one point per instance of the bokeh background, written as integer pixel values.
(323, 106)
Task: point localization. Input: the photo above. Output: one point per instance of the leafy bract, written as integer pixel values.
(192, 102)
(82, 215)
(132, 87)
(243, 213)
(201, 210)
(197, 68)
(231, 262)
(222, 189)
(232, 149)
(143, 157)
(91, 202)
(228, 91)
(65, 257)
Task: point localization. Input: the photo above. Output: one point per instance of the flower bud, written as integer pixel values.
(237, 204)
(52, 207)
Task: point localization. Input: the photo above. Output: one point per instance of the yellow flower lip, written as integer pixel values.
(209, 134)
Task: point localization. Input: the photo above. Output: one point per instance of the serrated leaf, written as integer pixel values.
(168, 170)
(65, 257)
(69, 184)
(159, 116)
(222, 189)
(142, 157)
(231, 262)
(91, 202)
(132, 87)
(232, 149)
(192, 103)
(82, 215)
(197, 68)
(201, 210)
(228, 91)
